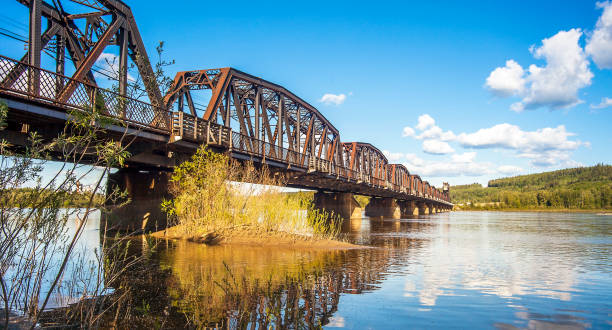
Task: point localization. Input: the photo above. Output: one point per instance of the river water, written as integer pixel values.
(451, 270)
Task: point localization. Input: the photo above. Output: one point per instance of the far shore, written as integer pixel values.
(248, 235)
(598, 212)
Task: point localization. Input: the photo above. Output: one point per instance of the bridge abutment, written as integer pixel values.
(145, 191)
(342, 204)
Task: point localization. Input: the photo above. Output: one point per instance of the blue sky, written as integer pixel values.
(428, 82)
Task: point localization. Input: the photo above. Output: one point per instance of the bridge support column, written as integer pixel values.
(383, 207)
(342, 204)
(408, 208)
(145, 190)
(423, 208)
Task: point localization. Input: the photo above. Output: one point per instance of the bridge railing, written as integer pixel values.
(197, 130)
(35, 84)
(266, 150)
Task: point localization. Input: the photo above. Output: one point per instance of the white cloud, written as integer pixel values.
(393, 156)
(605, 102)
(408, 131)
(110, 63)
(508, 80)
(429, 131)
(509, 169)
(554, 85)
(457, 165)
(414, 159)
(544, 147)
(599, 45)
(425, 121)
(335, 99)
(436, 133)
(437, 147)
(466, 157)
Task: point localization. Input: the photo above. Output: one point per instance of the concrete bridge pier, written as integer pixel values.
(145, 191)
(408, 208)
(342, 204)
(423, 208)
(383, 207)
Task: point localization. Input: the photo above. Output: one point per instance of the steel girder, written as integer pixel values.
(266, 113)
(399, 176)
(261, 110)
(112, 23)
(369, 162)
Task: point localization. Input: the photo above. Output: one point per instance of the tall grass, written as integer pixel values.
(214, 193)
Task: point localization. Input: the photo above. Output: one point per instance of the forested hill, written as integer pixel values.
(575, 188)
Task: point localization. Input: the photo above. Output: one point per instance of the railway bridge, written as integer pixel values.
(246, 116)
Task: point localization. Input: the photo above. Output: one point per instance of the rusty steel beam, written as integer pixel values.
(85, 47)
(265, 113)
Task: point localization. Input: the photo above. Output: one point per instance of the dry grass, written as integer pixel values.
(208, 198)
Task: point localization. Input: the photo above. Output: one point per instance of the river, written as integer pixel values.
(450, 270)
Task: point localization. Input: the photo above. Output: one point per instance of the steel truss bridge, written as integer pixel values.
(248, 117)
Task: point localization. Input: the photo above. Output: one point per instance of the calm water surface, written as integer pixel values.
(457, 270)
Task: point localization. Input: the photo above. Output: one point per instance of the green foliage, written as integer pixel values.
(576, 188)
(208, 197)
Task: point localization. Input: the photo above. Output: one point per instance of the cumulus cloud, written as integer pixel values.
(414, 159)
(457, 165)
(393, 156)
(110, 63)
(605, 102)
(544, 147)
(436, 133)
(466, 157)
(512, 137)
(554, 85)
(437, 147)
(599, 45)
(509, 169)
(435, 139)
(425, 121)
(408, 131)
(508, 80)
(335, 99)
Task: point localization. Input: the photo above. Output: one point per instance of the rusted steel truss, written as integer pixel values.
(84, 36)
(246, 114)
(265, 113)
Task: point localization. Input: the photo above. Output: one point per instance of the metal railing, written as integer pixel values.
(47, 87)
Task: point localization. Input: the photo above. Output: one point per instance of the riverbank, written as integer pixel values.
(255, 236)
(596, 211)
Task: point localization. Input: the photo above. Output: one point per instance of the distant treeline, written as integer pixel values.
(24, 197)
(576, 188)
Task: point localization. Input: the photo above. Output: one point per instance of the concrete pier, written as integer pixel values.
(145, 192)
(342, 204)
(408, 209)
(383, 207)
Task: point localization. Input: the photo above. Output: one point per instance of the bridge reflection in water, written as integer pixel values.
(474, 270)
